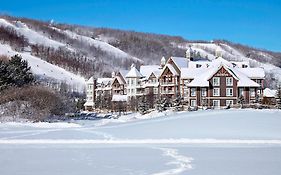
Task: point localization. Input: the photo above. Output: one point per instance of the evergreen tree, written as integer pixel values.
(15, 72)
(241, 101)
(162, 104)
(177, 103)
(143, 106)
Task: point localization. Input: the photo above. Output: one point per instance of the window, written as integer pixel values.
(203, 92)
(216, 103)
(229, 81)
(229, 92)
(216, 92)
(241, 92)
(216, 81)
(193, 92)
(132, 82)
(193, 103)
(252, 92)
(155, 90)
(228, 102)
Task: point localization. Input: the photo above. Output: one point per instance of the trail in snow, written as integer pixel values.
(181, 162)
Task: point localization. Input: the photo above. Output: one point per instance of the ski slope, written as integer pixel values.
(101, 44)
(47, 70)
(33, 37)
(214, 142)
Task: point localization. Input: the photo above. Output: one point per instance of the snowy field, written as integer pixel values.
(218, 142)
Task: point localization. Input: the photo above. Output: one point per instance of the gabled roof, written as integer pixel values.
(219, 61)
(117, 78)
(244, 81)
(123, 73)
(180, 62)
(202, 80)
(134, 73)
(214, 70)
(90, 81)
(148, 69)
(171, 68)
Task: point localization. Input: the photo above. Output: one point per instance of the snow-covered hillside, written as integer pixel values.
(46, 70)
(33, 37)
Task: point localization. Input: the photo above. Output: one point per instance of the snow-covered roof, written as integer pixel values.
(240, 63)
(203, 64)
(180, 61)
(219, 61)
(148, 69)
(123, 73)
(104, 80)
(90, 81)
(253, 72)
(118, 78)
(202, 79)
(157, 73)
(171, 68)
(117, 98)
(191, 73)
(269, 93)
(134, 73)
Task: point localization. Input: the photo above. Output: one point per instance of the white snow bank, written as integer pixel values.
(134, 117)
(40, 125)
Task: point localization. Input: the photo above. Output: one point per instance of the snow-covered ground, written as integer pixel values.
(214, 142)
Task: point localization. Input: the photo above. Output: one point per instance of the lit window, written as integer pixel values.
(229, 81)
(229, 92)
(216, 92)
(216, 81)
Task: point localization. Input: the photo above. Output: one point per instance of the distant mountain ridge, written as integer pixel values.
(73, 53)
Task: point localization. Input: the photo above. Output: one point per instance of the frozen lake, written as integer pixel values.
(206, 142)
